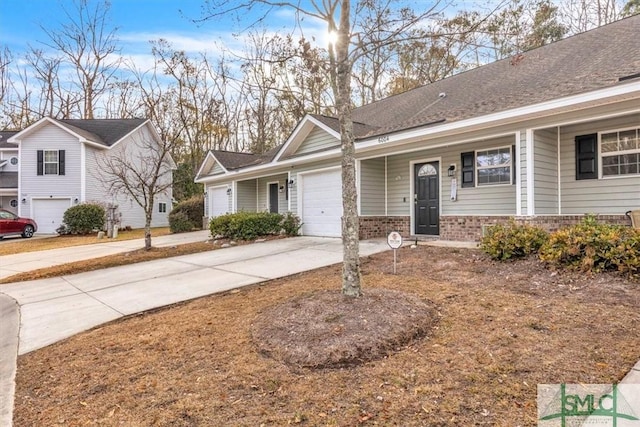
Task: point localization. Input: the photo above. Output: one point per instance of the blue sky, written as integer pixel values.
(138, 22)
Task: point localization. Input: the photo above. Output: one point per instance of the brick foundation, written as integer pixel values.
(469, 228)
(372, 227)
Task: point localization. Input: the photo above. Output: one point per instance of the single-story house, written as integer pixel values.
(55, 164)
(545, 137)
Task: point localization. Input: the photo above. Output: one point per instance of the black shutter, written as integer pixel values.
(40, 162)
(513, 164)
(468, 169)
(61, 162)
(587, 156)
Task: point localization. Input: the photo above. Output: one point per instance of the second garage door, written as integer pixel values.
(322, 203)
(218, 201)
(48, 213)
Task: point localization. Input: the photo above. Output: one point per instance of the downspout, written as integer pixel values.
(83, 172)
(531, 209)
(518, 176)
(386, 195)
(559, 175)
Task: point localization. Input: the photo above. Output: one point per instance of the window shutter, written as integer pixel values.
(587, 156)
(513, 164)
(61, 162)
(468, 169)
(40, 162)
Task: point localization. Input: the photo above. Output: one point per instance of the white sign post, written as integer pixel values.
(394, 240)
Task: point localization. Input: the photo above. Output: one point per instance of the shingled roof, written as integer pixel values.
(597, 59)
(103, 131)
(4, 135)
(231, 160)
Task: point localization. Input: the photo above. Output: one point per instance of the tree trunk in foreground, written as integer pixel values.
(351, 286)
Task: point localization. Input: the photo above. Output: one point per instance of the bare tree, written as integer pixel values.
(372, 25)
(140, 170)
(89, 46)
(583, 15)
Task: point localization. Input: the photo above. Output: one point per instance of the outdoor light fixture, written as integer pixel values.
(75, 201)
(229, 191)
(452, 170)
(281, 189)
(290, 183)
(24, 201)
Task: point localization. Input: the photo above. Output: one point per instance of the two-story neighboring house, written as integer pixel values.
(55, 164)
(8, 173)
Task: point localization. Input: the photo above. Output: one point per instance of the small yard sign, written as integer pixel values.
(394, 239)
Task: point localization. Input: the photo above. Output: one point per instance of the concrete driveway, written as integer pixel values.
(56, 308)
(29, 261)
(41, 312)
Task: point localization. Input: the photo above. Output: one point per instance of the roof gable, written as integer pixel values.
(102, 133)
(325, 129)
(105, 131)
(210, 166)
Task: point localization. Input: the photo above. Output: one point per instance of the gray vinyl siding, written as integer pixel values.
(217, 169)
(523, 171)
(7, 155)
(132, 213)
(32, 185)
(483, 200)
(546, 171)
(246, 195)
(95, 191)
(5, 203)
(601, 196)
(263, 192)
(318, 139)
(372, 187)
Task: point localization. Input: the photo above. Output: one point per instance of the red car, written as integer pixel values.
(12, 225)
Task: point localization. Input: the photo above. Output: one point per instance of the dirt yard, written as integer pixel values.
(497, 331)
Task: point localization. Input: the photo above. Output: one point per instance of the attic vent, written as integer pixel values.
(629, 77)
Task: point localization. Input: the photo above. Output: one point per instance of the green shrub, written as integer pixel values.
(506, 241)
(246, 225)
(291, 224)
(179, 222)
(83, 219)
(595, 247)
(192, 210)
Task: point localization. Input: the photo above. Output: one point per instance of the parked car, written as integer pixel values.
(13, 225)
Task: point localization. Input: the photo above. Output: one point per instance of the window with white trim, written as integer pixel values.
(162, 207)
(493, 166)
(620, 152)
(51, 162)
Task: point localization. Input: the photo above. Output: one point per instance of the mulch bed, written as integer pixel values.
(500, 329)
(326, 329)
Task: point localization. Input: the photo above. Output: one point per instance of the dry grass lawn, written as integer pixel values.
(125, 258)
(19, 245)
(501, 330)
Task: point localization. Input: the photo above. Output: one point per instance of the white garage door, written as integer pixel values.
(218, 201)
(322, 204)
(48, 213)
